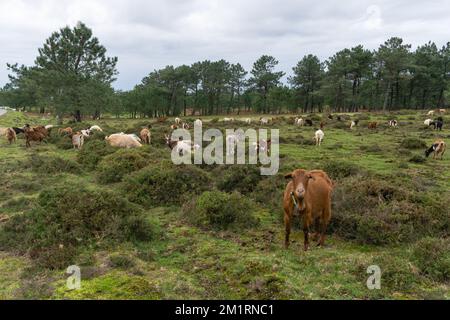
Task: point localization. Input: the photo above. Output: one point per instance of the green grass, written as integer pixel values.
(186, 262)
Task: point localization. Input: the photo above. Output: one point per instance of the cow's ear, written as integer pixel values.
(310, 176)
(288, 176)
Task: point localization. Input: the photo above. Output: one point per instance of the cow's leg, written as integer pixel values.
(287, 226)
(324, 220)
(306, 226)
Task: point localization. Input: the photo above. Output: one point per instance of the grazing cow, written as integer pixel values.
(442, 110)
(264, 121)
(95, 128)
(86, 133)
(185, 126)
(182, 146)
(319, 137)
(263, 145)
(430, 113)
(173, 127)
(123, 141)
(40, 129)
(32, 134)
(11, 135)
(308, 194)
(439, 124)
(146, 136)
(49, 127)
(3, 131)
(428, 122)
(67, 131)
(330, 116)
(248, 121)
(309, 122)
(228, 120)
(198, 123)
(299, 122)
(231, 141)
(373, 125)
(78, 140)
(393, 123)
(354, 123)
(178, 121)
(438, 148)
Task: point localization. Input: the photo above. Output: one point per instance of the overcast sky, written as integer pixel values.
(147, 35)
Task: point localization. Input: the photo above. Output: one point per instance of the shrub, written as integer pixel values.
(418, 159)
(372, 209)
(166, 184)
(114, 167)
(69, 217)
(340, 169)
(269, 192)
(413, 143)
(241, 178)
(52, 164)
(121, 261)
(61, 142)
(92, 152)
(374, 148)
(221, 210)
(432, 257)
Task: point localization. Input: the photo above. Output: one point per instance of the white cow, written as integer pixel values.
(319, 137)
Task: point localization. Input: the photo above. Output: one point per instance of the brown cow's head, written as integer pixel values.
(300, 179)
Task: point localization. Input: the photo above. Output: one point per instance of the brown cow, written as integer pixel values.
(11, 135)
(33, 134)
(438, 148)
(67, 131)
(309, 193)
(373, 125)
(145, 136)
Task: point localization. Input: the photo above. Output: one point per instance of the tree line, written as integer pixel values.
(73, 75)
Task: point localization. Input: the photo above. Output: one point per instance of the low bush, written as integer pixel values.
(69, 217)
(114, 167)
(372, 209)
(373, 148)
(418, 159)
(432, 257)
(340, 169)
(413, 143)
(241, 178)
(269, 192)
(61, 142)
(46, 164)
(92, 152)
(221, 210)
(165, 184)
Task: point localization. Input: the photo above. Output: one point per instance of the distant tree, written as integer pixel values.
(394, 57)
(237, 84)
(306, 78)
(69, 65)
(264, 78)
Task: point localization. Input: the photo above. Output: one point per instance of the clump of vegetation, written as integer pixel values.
(114, 167)
(374, 148)
(413, 143)
(371, 209)
(47, 164)
(340, 169)
(121, 261)
(418, 159)
(69, 217)
(241, 178)
(432, 256)
(269, 192)
(62, 142)
(221, 210)
(166, 184)
(92, 152)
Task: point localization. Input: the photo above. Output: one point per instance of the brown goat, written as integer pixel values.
(67, 131)
(11, 135)
(309, 193)
(31, 134)
(373, 125)
(145, 136)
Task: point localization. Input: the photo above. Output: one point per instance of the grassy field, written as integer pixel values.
(390, 209)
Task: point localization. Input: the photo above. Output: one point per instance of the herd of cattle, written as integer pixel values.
(307, 194)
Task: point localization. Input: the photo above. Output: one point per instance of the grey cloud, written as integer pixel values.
(147, 35)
